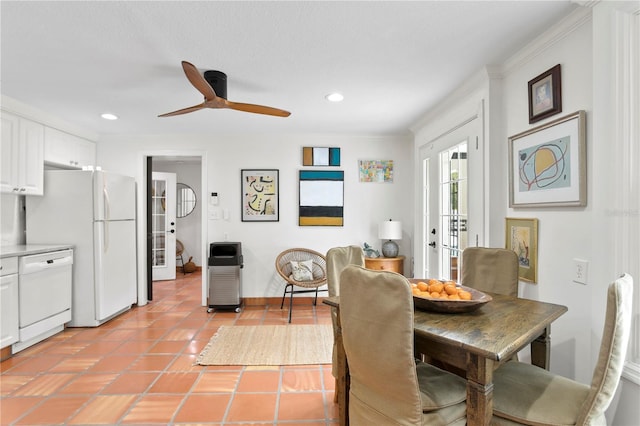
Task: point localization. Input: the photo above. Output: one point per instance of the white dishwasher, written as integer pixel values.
(44, 289)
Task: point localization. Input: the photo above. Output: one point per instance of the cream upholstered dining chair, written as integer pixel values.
(490, 269)
(526, 394)
(337, 259)
(388, 386)
(304, 268)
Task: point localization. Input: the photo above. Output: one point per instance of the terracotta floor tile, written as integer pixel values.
(105, 410)
(203, 408)
(259, 381)
(14, 408)
(185, 362)
(301, 406)
(88, 383)
(101, 347)
(174, 382)
(257, 407)
(180, 334)
(36, 364)
(224, 381)
(54, 410)
(301, 380)
(168, 347)
(77, 363)
(46, 384)
(151, 363)
(154, 409)
(9, 383)
(130, 383)
(134, 347)
(113, 363)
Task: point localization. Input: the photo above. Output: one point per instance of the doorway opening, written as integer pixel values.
(169, 223)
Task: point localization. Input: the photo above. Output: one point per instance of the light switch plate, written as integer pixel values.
(581, 271)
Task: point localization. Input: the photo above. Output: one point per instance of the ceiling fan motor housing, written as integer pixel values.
(218, 81)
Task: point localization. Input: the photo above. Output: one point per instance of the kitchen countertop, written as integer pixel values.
(28, 249)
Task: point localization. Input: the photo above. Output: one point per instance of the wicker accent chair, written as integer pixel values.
(285, 270)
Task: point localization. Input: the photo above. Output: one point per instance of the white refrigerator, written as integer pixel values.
(96, 212)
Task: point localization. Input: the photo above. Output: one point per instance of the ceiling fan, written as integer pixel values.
(213, 85)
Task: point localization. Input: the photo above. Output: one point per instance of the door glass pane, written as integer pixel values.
(453, 209)
(159, 224)
(426, 220)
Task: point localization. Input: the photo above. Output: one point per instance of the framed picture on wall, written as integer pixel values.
(545, 95)
(522, 238)
(260, 197)
(547, 164)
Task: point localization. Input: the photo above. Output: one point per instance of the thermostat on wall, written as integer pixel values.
(214, 198)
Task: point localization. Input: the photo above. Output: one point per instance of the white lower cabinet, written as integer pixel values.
(9, 315)
(68, 151)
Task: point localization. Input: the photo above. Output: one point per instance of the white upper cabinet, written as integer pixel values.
(22, 149)
(67, 151)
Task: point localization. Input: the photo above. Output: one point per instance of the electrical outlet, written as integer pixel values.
(581, 271)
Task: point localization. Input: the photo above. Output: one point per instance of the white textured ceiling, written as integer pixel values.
(392, 60)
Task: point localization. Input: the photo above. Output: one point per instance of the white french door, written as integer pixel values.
(451, 200)
(163, 231)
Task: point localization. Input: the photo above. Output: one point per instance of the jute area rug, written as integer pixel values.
(291, 344)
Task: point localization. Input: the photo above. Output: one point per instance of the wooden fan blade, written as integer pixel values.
(184, 110)
(198, 81)
(258, 109)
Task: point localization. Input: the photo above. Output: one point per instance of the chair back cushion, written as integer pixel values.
(490, 269)
(337, 259)
(376, 313)
(615, 339)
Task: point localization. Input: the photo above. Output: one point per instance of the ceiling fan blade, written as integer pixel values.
(184, 110)
(258, 109)
(198, 81)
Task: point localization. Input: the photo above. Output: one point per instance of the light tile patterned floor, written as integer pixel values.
(138, 369)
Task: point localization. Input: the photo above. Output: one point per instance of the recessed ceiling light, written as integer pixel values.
(108, 116)
(335, 97)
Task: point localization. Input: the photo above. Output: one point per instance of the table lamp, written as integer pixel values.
(390, 230)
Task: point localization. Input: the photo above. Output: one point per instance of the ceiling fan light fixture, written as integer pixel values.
(109, 116)
(335, 97)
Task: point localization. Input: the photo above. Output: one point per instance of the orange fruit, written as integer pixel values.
(416, 291)
(435, 295)
(464, 295)
(454, 297)
(450, 289)
(422, 286)
(436, 287)
(433, 281)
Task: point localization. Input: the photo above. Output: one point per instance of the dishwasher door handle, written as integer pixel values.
(33, 267)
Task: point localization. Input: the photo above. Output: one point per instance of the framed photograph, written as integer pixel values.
(260, 197)
(522, 238)
(547, 164)
(545, 95)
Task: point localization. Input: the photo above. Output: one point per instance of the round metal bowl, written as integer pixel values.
(478, 299)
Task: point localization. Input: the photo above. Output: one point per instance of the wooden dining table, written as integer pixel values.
(473, 343)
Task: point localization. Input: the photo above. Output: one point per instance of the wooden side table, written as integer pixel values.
(395, 264)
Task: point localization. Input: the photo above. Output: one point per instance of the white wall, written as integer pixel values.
(365, 204)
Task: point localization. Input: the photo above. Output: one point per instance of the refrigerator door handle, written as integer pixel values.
(107, 207)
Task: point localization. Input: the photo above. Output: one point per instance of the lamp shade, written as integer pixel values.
(390, 230)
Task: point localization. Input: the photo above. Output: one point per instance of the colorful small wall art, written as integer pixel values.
(320, 156)
(321, 198)
(376, 170)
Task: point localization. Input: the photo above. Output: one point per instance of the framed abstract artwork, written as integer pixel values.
(547, 164)
(522, 238)
(321, 198)
(260, 198)
(375, 171)
(545, 95)
(320, 156)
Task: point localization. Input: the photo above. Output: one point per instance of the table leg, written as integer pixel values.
(541, 349)
(479, 390)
